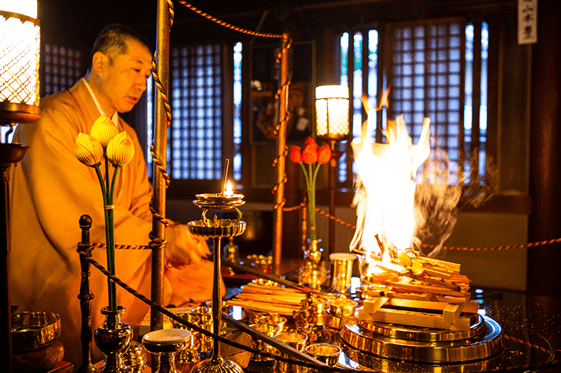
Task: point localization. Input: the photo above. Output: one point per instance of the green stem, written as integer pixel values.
(106, 169)
(101, 182)
(109, 232)
(305, 173)
(312, 203)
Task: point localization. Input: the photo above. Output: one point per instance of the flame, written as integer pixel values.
(385, 199)
(229, 190)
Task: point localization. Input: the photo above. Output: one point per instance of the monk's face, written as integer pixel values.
(125, 78)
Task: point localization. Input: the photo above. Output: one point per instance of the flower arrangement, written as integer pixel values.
(310, 157)
(105, 144)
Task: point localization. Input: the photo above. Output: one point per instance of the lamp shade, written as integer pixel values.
(19, 65)
(332, 112)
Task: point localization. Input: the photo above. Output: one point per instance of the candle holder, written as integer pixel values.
(166, 343)
(217, 229)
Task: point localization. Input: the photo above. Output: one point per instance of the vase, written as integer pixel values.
(313, 272)
(113, 338)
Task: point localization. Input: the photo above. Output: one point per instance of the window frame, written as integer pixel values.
(384, 79)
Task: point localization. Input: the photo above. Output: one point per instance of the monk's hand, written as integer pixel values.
(183, 247)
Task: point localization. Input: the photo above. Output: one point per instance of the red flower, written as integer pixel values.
(310, 153)
(324, 154)
(295, 154)
(310, 142)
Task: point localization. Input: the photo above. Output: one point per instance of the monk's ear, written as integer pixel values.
(100, 61)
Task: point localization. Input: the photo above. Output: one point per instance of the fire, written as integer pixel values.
(229, 189)
(385, 200)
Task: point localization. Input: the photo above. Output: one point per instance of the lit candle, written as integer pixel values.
(229, 191)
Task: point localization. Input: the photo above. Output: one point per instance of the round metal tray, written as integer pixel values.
(483, 341)
(222, 228)
(424, 334)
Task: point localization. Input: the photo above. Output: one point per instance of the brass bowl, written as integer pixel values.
(342, 307)
(275, 320)
(31, 330)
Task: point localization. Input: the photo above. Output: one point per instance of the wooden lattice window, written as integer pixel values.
(195, 137)
(435, 69)
(426, 69)
(61, 67)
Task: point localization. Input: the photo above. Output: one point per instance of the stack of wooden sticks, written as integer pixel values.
(430, 293)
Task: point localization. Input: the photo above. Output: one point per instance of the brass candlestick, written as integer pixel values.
(217, 229)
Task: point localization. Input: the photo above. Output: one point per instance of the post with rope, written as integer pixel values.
(159, 182)
(281, 156)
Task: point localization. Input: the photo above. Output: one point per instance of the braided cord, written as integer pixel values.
(120, 247)
(450, 248)
(226, 24)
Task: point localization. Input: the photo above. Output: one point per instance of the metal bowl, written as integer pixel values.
(31, 330)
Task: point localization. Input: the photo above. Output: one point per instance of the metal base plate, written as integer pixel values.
(482, 341)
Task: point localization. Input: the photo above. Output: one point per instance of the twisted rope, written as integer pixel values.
(160, 217)
(294, 208)
(228, 25)
(120, 247)
(501, 248)
(450, 248)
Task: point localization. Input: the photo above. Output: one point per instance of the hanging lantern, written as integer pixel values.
(19, 61)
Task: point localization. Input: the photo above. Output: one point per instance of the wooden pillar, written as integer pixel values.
(280, 166)
(545, 152)
(160, 148)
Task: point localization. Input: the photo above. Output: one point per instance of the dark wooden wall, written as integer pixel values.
(544, 274)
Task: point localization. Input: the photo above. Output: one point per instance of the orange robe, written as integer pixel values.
(50, 190)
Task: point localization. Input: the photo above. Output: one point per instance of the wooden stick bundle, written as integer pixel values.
(432, 295)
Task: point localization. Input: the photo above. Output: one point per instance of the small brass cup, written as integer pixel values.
(204, 314)
(341, 271)
(276, 320)
(324, 352)
(297, 341)
(260, 345)
(342, 307)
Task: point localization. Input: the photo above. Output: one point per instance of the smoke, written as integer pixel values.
(441, 192)
(437, 194)
(480, 188)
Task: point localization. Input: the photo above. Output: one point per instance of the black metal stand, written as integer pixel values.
(85, 296)
(10, 155)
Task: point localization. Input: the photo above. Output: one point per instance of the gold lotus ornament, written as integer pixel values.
(120, 150)
(88, 149)
(104, 130)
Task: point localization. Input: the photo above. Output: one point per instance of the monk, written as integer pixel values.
(51, 189)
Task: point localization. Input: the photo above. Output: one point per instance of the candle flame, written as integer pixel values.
(229, 191)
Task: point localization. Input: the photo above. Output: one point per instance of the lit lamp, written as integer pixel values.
(332, 124)
(332, 112)
(19, 103)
